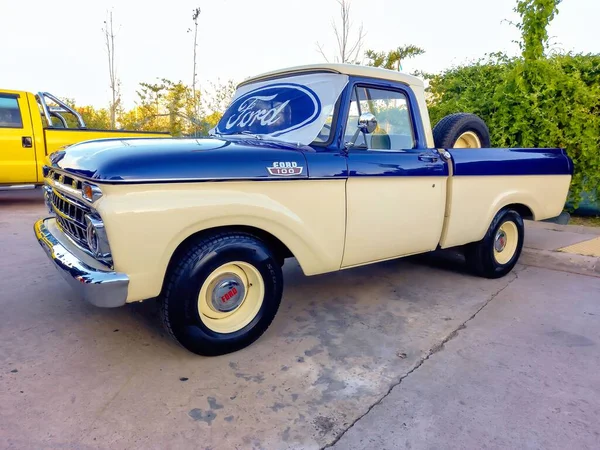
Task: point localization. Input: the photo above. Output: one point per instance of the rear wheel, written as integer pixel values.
(461, 130)
(498, 252)
(223, 294)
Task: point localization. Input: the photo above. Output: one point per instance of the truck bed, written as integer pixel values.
(482, 181)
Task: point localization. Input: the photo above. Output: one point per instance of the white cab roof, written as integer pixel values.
(347, 69)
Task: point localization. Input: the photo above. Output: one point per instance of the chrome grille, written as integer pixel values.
(70, 214)
(64, 179)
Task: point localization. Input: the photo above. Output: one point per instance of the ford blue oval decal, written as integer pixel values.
(274, 110)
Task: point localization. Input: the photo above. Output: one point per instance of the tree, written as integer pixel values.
(170, 106)
(97, 119)
(195, 15)
(115, 84)
(215, 102)
(536, 15)
(393, 59)
(348, 47)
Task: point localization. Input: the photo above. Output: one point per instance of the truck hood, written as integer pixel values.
(163, 160)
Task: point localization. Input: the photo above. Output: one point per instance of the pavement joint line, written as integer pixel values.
(590, 247)
(432, 351)
(88, 431)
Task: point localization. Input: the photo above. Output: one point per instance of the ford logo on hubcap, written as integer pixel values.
(500, 243)
(228, 292)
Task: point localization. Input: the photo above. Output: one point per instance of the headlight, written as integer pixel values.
(96, 238)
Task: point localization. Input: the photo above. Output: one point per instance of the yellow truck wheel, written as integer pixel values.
(461, 130)
(221, 293)
(498, 252)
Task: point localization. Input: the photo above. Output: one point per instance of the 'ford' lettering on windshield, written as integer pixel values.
(274, 110)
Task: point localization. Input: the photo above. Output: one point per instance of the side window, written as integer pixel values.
(10, 115)
(394, 130)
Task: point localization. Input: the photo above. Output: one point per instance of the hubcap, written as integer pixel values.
(231, 297)
(506, 242)
(227, 292)
(500, 243)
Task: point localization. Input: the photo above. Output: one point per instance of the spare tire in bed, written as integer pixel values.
(461, 130)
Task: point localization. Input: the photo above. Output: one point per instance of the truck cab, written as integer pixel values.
(34, 126)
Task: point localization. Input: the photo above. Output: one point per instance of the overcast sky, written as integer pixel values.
(58, 46)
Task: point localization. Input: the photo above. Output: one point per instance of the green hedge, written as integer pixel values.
(547, 102)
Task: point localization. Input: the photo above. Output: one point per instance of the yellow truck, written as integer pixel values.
(34, 126)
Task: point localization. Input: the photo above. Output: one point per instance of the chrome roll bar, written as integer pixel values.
(56, 111)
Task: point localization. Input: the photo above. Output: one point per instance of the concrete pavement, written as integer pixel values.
(523, 373)
(573, 249)
(75, 376)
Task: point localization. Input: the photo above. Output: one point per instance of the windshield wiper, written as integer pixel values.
(241, 133)
(247, 133)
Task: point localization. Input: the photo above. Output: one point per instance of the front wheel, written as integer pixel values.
(223, 294)
(498, 252)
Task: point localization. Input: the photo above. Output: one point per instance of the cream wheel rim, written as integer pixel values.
(468, 139)
(231, 297)
(506, 242)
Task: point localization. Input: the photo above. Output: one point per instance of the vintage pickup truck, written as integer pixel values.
(335, 165)
(34, 126)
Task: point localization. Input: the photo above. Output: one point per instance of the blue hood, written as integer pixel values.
(162, 160)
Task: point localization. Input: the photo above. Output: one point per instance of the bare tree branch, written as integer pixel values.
(348, 49)
(195, 15)
(196, 103)
(320, 50)
(109, 36)
(357, 47)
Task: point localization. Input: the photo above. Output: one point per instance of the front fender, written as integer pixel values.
(146, 223)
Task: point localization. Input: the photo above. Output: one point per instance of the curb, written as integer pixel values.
(579, 229)
(565, 262)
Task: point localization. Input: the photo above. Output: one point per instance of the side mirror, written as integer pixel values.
(367, 123)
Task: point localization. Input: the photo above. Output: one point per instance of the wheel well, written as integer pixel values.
(523, 210)
(279, 249)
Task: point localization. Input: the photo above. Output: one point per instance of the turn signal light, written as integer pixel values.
(90, 192)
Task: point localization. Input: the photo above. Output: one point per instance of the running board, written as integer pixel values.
(15, 187)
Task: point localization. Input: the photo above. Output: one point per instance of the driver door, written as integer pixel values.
(17, 152)
(395, 193)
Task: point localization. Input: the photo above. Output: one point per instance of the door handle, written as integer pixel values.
(428, 157)
(27, 142)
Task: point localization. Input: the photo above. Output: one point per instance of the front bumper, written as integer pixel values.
(96, 285)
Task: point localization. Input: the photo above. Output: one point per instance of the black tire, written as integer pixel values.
(179, 301)
(450, 128)
(480, 256)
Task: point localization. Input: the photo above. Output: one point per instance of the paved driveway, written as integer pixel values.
(75, 376)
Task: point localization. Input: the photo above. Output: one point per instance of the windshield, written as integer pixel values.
(294, 109)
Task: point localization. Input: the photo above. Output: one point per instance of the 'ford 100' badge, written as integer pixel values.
(274, 110)
(285, 168)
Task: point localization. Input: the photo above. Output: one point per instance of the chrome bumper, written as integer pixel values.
(99, 287)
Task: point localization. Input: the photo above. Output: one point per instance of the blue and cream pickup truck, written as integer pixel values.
(335, 165)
